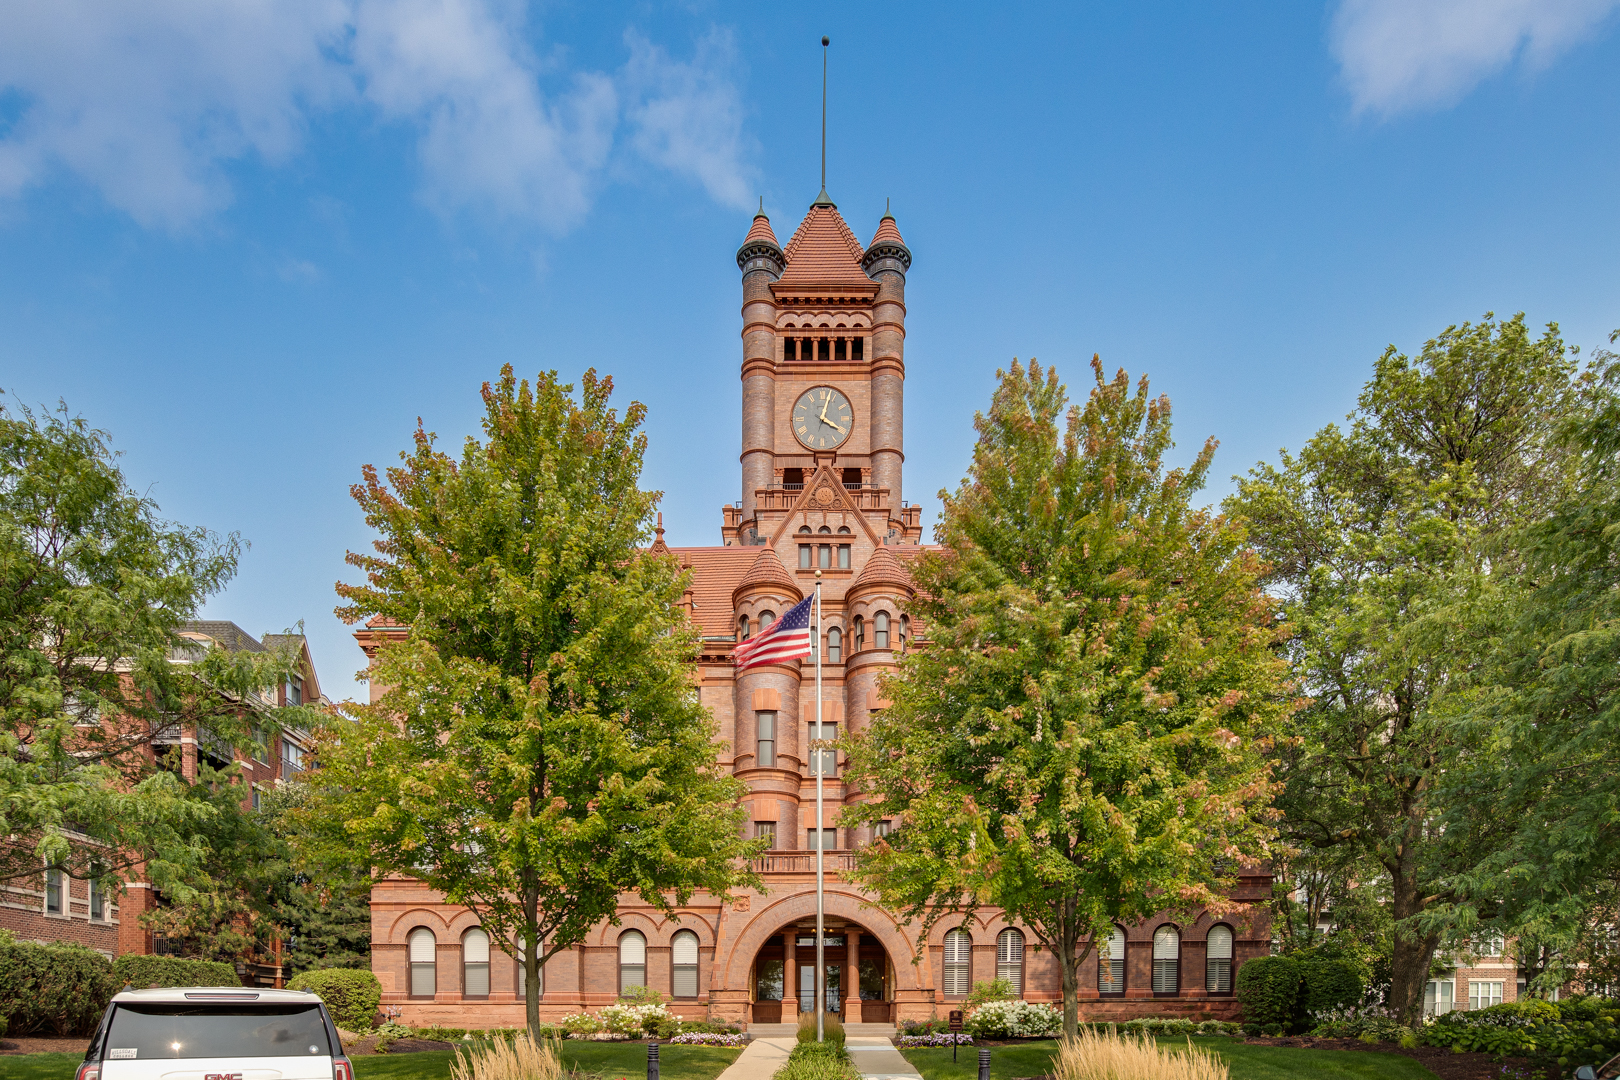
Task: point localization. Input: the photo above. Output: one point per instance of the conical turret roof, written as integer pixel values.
(883, 568)
(767, 570)
(887, 232)
(824, 251)
(761, 231)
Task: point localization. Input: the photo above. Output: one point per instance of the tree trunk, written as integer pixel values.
(531, 987)
(1413, 953)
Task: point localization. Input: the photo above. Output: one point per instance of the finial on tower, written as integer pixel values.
(886, 213)
(824, 199)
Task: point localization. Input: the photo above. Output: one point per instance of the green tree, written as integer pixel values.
(1083, 738)
(94, 587)
(1389, 544)
(541, 748)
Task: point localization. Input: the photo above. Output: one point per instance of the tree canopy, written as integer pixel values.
(1082, 739)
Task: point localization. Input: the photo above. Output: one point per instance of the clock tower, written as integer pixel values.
(823, 374)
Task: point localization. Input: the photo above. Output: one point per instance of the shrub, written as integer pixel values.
(818, 1061)
(351, 996)
(993, 990)
(832, 1030)
(1014, 1020)
(709, 1038)
(144, 971)
(1328, 984)
(640, 995)
(1268, 987)
(580, 1025)
(520, 1059)
(60, 989)
(1153, 1025)
(636, 1020)
(1094, 1056)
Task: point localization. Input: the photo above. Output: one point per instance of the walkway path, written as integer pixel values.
(875, 1059)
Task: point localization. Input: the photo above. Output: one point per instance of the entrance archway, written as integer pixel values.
(860, 974)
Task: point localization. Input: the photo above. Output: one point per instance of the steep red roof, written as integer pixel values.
(716, 573)
(883, 568)
(887, 231)
(768, 570)
(760, 231)
(824, 252)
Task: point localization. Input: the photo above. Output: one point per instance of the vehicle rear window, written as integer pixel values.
(204, 1031)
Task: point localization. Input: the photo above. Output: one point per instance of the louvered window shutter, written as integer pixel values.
(1166, 960)
(958, 963)
(1111, 968)
(1010, 960)
(424, 957)
(1218, 968)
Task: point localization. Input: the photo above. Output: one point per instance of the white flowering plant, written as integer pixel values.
(633, 1020)
(1014, 1020)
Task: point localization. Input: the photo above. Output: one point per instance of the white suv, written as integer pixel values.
(219, 1033)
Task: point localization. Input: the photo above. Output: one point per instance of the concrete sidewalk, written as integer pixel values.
(875, 1059)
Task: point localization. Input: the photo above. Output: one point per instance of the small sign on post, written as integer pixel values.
(955, 1023)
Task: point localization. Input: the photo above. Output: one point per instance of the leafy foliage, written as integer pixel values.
(540, 749)
(1268, 989)
(351, 996)
(52, 989)
(141, 971)
(1083, 739)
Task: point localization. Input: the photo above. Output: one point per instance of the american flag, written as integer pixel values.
(788, 638)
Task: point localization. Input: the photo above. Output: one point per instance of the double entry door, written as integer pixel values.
(807, 987)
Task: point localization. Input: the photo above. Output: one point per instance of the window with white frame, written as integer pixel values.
(765, 740)
(98, 899)
(1218, 960)
(880, 630)
(632, 961)
(683, 958)
(1488, 943)
(424, 954)
(1166, 960)
(1437, 997)
(1010, 959)
(292, 757)
(475, 963)
(765, 830)
(1111, 964)
(835, 645)
(958, 963)
(295, 691)
(54, 902)
(1482, 994)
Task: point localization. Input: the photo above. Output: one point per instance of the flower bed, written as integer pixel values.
(709, 1038)
(907, 1041)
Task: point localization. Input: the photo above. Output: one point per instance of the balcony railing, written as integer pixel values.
(803, 863)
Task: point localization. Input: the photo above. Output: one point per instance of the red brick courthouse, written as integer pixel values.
(823, 377)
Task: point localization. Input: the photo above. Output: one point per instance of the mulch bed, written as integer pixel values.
(29, 1044)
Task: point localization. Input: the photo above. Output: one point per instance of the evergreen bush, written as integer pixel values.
(1328, 984)
(1268, 989)
(53, 989)
(351, 996)
(141, 972)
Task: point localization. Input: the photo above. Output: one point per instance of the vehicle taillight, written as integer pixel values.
(91, 1070)
(341, 1070)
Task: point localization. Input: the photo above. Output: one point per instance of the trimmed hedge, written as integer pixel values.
(1329, 984)
(141, 972)
(1268, 987)
(59, 989)
(351, 995)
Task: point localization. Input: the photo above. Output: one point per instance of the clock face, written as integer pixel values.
(822, 418)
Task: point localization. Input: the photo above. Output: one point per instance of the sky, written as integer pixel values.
(255, 240)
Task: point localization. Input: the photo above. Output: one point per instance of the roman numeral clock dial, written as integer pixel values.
(822, 418)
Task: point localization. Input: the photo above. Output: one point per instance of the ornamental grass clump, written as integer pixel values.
(520, 1059)
(1095, 1056)
(832, 1029)
(818, 1061)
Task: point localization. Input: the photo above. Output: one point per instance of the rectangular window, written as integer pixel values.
(292, 758)
(857, 344)
(1488, 944)
(843, 556)
(829, 839)
(295, 691)
(1482, 995)
(256, 797)
(765, 727)
(98, 904)
(825, 554)
(824, 762)
(765, 830)
(804, 556)
(1437, 997)
(53, 890)
(683, 976)
(147, 1031)
(768, 979)
(882, 828)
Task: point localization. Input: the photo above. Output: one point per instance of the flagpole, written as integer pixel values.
(821, 842)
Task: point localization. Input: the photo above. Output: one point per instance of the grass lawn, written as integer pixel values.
(1247, 1062)
(608, 1060)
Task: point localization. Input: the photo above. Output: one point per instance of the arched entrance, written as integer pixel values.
(860, 974)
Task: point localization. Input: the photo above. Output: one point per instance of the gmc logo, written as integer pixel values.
(222, 1076)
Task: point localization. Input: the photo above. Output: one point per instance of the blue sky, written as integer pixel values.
(255, 240)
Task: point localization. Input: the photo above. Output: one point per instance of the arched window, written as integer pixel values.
(683, 956)
(522, 980)
(475, 963)
(804, 529)
(424, 962)
(825, 529)
(880, 630)
(742, 628)
(958, 963)
(1111, 964)
(835, 646)
(1166, 960)
(1010, 959)
(860, 633)
(632, 960)
(765, 620)
(843, 530)
(1218, 962)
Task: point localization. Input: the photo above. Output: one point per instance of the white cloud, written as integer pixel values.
(1398, 55)
(149, 103)
(688, 118)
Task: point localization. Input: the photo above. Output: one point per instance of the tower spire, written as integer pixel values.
(824, 199)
